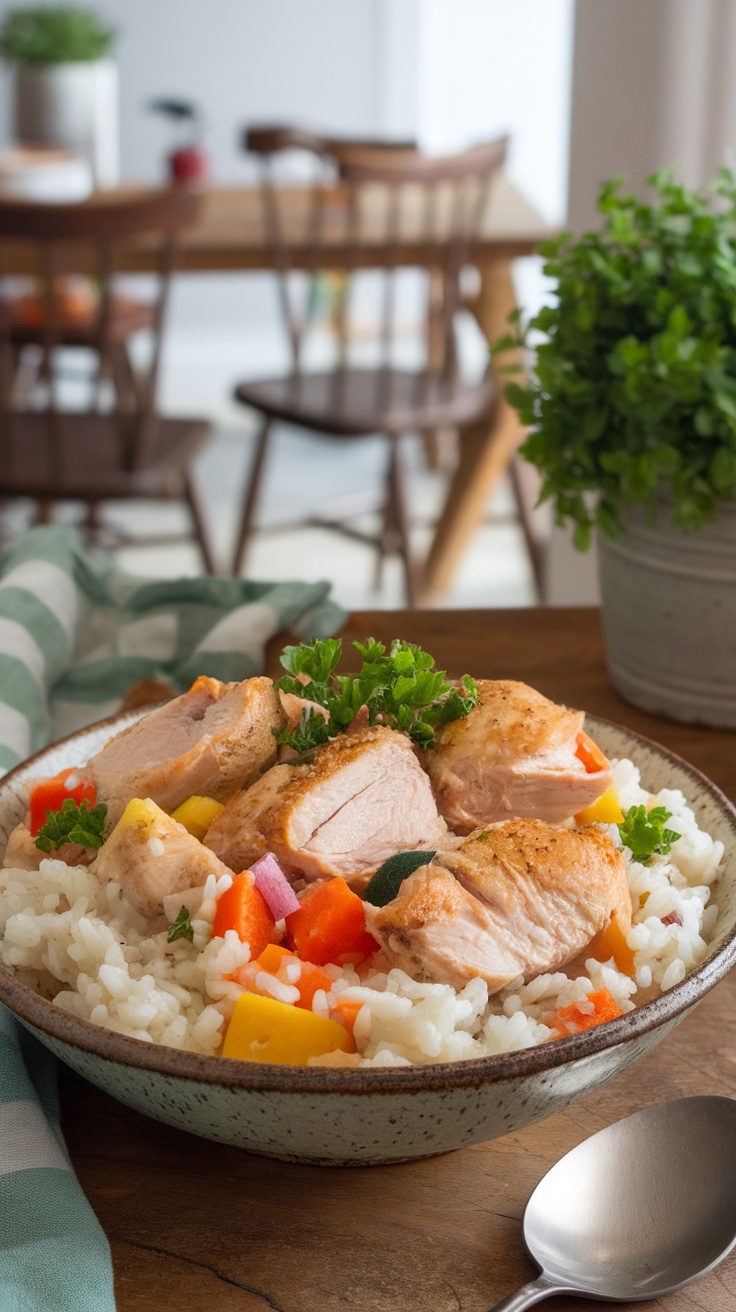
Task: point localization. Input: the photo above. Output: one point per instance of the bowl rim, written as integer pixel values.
(124, 1050)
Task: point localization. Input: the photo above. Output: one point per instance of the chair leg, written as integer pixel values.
(397, 501)
(44, 512)
(524, 506)
(252, 493)
(201, 532)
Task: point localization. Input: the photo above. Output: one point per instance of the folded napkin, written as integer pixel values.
(75, 633)
(54, 1256)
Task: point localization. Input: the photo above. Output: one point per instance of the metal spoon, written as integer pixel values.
(639, 1209)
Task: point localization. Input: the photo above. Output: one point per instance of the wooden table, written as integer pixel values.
(198, 1226)
(231, 236)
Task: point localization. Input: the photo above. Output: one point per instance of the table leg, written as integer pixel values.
(486, 449)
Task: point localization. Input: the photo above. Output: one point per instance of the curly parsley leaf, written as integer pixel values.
(181, 927)
(317, 659)
(311, 731)
(399, 687)
(74, 823)
(644, 832)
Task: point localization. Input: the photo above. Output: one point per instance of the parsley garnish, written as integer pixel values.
(644, 832)
(181, 927)
(400, 688)
(81, 824)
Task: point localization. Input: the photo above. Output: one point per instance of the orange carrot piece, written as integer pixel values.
(571, 1020)
(611, 942)
(273, 957)
(50, 794)
(310, 980)
(273, 960)
(347, 1013)
(330, 926)
(590, 754)
(242, 908)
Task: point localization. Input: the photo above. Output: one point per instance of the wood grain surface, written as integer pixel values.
(201, 1227)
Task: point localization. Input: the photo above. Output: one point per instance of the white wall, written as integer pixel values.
(489, 67)
(244, 60)
(448, 72)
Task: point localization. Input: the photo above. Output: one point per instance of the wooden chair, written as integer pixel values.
(118, 447)
(421, 213)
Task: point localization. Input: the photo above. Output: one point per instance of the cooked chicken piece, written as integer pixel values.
(21, 852)
(517, 899)
(361, 798)
(152, 856)
(210, 741)
(513, 755)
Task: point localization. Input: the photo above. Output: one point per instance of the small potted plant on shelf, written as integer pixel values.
(631, 403)
(65, 85)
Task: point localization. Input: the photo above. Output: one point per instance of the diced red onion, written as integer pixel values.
(674, 918)
(275, 887)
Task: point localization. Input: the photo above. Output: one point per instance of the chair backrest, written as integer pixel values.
(377, 206)
(87, 238)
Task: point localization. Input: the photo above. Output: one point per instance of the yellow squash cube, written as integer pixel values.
(197, 814)
(262, 1029)
(606, 810)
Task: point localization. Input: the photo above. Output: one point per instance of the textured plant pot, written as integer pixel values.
(74, 106)
(669, 614)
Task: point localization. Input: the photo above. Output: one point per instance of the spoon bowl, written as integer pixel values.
(640, 1209)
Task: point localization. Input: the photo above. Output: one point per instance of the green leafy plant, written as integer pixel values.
(181, 927)
(400, 688)
(54, 35)
(644, 833)
(81, 824)
(634, 384)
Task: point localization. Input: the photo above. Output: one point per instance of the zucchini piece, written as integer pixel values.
(385, 884)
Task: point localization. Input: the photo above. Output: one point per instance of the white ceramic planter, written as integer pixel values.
(74, 106)
(669, 613)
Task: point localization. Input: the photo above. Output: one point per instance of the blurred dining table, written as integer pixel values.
(202, 1226)
(231, 236)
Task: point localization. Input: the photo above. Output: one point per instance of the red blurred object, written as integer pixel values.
(189, 164)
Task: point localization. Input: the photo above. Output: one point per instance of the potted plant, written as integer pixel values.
(65, 91)
(632, 408)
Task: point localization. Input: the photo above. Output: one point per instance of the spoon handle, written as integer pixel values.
(530, 1294)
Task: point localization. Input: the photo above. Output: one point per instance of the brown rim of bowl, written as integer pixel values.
(474, 1072)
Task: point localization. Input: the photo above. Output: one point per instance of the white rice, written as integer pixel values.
(83, 945)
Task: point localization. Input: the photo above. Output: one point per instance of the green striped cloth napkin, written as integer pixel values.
(75, 633)
(54, 1256)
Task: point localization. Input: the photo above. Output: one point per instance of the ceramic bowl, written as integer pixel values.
(377, 1115)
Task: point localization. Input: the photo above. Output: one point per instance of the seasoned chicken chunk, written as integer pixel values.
(361, 798)
(21, 852)
(152, 856)
(212, 740)
(515, 900)
(513, 755)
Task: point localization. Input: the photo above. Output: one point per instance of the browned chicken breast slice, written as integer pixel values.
(517, 899)
(513, 755)
(152, 856)
(210, 741)
(360, 799)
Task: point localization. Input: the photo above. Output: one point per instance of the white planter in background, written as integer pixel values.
(669, 614)
(74, 106)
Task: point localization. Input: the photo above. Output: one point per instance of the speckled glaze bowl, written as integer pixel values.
(354, 1117)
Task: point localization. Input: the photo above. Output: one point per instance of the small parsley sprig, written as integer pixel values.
(181, 927)
(74, 823)
(644, 833)
(399, 686)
